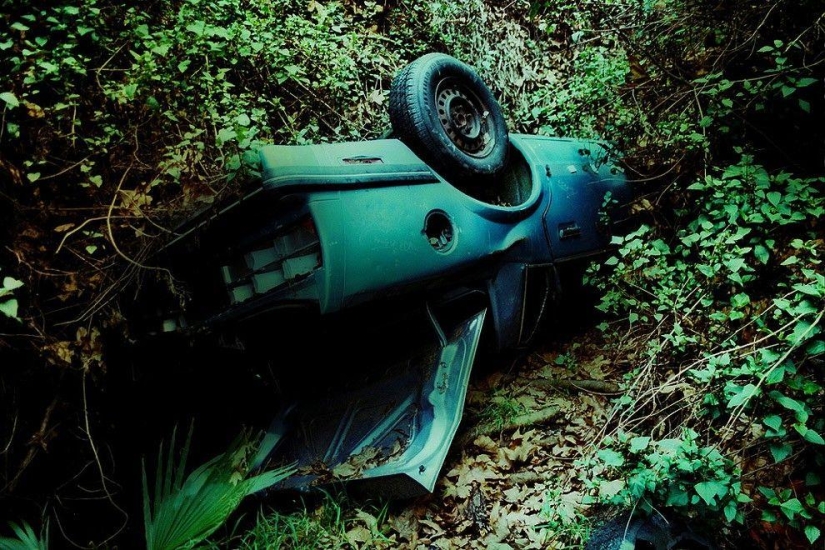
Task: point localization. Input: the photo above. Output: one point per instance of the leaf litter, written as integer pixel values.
(514, 487)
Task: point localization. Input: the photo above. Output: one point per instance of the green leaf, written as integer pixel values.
(812, 533)
(808, 289)
(815, 347)
(735, 264)
(781, 451)
(801, 331)
(787, 90)
(790, 260)
(10, 283)
(608, 489)
(9, 308)
(730, 511)
(18, 26)
(243, 119)
(813, 437)
(25, 538)
(740, 300)
(706, 270)
(610, 457)
(677, 497)
(183, 65)
(708, 490)
(762, 254)
(804, 105)
(791, 507)
(638, 444)
(198, 27)
(773, 421)
(10, 99)
(743, 396)
(804, 82)
(774, 197)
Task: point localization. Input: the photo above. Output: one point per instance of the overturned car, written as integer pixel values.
(381, 263)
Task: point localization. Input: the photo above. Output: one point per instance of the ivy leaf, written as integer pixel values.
(773, 421)
(9, 308)
(10, 283)
(808, 289)
(10, 99)
(740, 300)
(812, 532)
(743, 395)
(816, 347)
(730, 511)
(781, 452)
(708, 491)
(638, 444)
(735, 264)
(243, 119)
(610, 457)
(608, 489)
(774, 197)
(762, 254)
(813, 437)
(791, 507)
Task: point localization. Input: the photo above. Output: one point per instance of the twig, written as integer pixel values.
(37, 441)
(591, 386)
(111, 234)
(84, 224)
(11, 435)
(99, 464)
(72, 167)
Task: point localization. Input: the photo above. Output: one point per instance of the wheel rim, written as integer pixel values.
(464, 118)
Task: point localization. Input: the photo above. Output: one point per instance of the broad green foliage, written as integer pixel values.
(674, 472)
(189, 90)
(185, 509)
(748, 348)
(720, 284)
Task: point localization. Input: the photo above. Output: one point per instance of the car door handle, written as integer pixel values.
(569, 230)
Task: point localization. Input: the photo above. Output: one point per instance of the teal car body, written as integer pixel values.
(345, 248)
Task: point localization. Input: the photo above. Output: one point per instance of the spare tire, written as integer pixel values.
(445, 113)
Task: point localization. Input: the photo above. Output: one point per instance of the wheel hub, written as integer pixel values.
(464, 118)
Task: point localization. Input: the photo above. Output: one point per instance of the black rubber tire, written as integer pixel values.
(445, 113)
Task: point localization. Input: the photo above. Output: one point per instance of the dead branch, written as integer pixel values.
(534, 418)
(38, 441)
(590, 386)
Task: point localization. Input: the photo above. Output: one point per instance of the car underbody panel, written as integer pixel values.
(391, 433)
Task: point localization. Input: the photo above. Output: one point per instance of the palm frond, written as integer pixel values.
(26, 538)
(184, 510)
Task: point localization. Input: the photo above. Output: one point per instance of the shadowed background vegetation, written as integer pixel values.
(118, 121)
